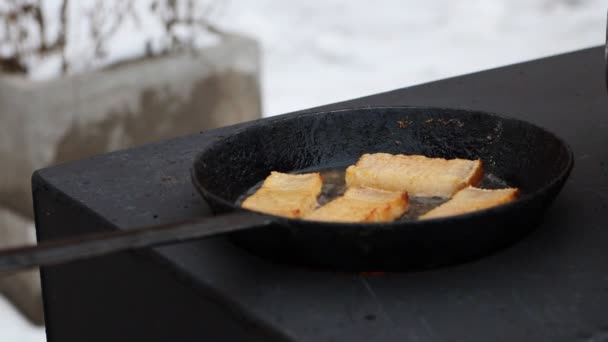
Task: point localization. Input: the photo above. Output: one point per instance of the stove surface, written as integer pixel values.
(551, 286)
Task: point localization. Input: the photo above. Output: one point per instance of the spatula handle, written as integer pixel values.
(91, 245)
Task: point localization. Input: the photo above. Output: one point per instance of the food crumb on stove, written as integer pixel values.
(403, 123)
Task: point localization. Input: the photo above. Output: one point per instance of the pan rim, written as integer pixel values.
(561, 177)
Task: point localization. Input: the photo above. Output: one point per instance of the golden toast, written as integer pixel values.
(360, 204)
(418, 175)
(286, 195)
(472, 199)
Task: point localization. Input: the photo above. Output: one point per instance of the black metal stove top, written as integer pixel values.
(552, 286)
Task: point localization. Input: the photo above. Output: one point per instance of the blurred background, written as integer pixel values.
(316, 52)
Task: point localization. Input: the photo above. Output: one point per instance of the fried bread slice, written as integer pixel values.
(286, 195)
(361, 204)
(418, 175)
(472, 199)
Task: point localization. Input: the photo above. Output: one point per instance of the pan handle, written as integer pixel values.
(91, 245)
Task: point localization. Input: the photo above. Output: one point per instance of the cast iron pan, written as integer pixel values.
(514, 152)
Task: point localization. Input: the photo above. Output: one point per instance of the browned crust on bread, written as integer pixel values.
(360, 204)
(416, 174)
(286, 195)
(476, 176)
(472, 199)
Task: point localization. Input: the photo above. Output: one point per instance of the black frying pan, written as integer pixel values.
(514, 152)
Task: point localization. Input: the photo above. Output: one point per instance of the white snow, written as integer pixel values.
(130, 32)
(323, 51)
(15, 328)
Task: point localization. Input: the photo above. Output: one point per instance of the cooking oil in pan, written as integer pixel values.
(334, 185)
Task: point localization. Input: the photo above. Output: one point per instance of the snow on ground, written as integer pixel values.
(15, 328)
(126, 30)
(323, 51)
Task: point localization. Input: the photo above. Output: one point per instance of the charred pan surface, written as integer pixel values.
(522, 155)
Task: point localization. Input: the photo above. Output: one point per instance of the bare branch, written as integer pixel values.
(130, 10)
(104, 26)
(61, 41)
(22, 21)
(41, 26)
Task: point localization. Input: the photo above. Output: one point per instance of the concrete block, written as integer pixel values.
(47, 122)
